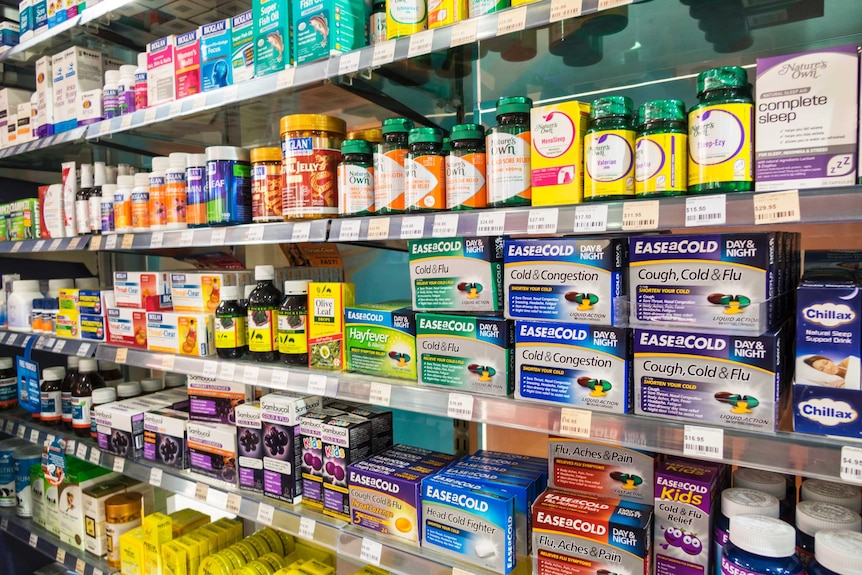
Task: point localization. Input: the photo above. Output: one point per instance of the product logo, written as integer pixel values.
(585, 301)
(243, 18)
(472, 289)
(597, 387)
(804, 70)
(485, 372)
(829, 314)
(739, 403)
(554, 135)
(827, 411)
(214, 27)
(676, 537)
(733, 304)
(400, 359)
(629, 481)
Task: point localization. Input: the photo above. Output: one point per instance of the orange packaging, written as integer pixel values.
(425, 183)
(175, 193)
(465, 169)
(158, 202)
(389, 181)
(127, 327)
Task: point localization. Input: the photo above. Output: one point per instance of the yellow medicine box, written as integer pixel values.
(181, 333)
(326, 303)
(156, 529)
(557, 152)
(132, 552)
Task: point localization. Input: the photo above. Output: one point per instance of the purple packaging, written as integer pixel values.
(381, 426)
(249, 441)
(346, 439)
(165, 437)
(214, 400)
(212, 450)
(310, 430)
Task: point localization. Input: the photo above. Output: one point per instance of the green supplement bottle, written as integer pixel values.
(292, 319)
(661, 149)
(356, 179)
(721, 134)
(389, 166)
(231, 325)
(263, 305)
(609, 144)
(465, 168)
(508, 148)
(425, 171)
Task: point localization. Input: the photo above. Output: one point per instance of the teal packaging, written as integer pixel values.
(381, 339)
(242, 47)
(574, 364)
(271, 35)
(325, 27)
(216, 50)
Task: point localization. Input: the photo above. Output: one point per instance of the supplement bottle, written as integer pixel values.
(609, 168)
(231, 325)
(760, 546)
(94, 199)
(24, 458)
(309, 188)
(55, 285)
(779, 486)
(7, 470)
(82, 395)
(465, 168)
(356, 179)
(405, 17)
(175, 191)
(49, 314)
(228, 186)
(87, 283)
(122, 514)
(158, 194)
(141, 203)
(196, 201)
(848, 496)
(508, 154)
(110, 104)
(263, 303)
(739, 501)
(721, 132)
(51, 411)
(66, 390)
(141, 82)
(246, 291)
(125, 390)
(389, 166)
(8, 383)
(126, 89)
(425, 171)
(123, 204)
(100, 397)
(36, 315)
(112, 373)
(266, 185)
(481, 7)
(107, 208)
(173, 380)
(446, 12)
(151, 385)
(813, 517)
(837, 553)
(19, 306)
(292, 319)
(82, 201)
(377, 23)
(661, 149)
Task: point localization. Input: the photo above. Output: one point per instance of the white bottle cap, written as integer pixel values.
(108, 365)
(86, 176)
(104, 395)
(53, 373)
(126, 182)
(142, 60)
(112, 76)
(108, 190)
(72, 362)
(196, 160)
(25, 286)
(814, 516)
(247, 290)
(6, 362)
(57, 284)
(87, 365)
(87, 283)
(127, 70)
(161, 163)
(764, 536)
(178, 160)
(175, 380)
(101, 177)
(264, 273)
(142, 180)
(296, 287)
(828, 492)
(129, 389)
(229, 293)
(765, 481)
(151, 384)
(741, 501)
(839, 551)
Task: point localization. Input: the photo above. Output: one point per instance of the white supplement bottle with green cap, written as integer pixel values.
(837, 553)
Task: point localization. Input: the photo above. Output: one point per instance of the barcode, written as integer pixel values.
(765, 214)
(767, 18)
(851, 471)
(456, 411)
(704, 217)
(550, 227)
(700, 448)
(575, 430)
(639, 223)
(480, 230)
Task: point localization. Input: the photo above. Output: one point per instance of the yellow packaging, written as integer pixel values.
(181, 333)
(661, 164)
(609, 166)
(711, 163)
(514, 3)
(276, 544)
(156, 529)
(68, 299)
(215, 565)
(66, 324)
(557, 152)
(314, 567)
(185, 521)
(198, 292)
(220, 533)
(326, 303)
(310, 552)
(175, 560)
(204, 544)
(445, 12)
(132, 552)
(234, 529)
(405, 17)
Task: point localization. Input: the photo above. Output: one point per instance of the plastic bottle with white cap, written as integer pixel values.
(740, 501)
(173, 380)
(263, 305)
(128, 390)
(779, 486)
(141, 203)
(837, 553)
(55, 285)
(815, 516)
(848, 496)
(175, 191)
(760, 546)
(151, 385)
(87, 283)
(158, 195)
(20, 304)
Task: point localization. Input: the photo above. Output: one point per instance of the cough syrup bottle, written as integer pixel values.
(661, 149)
(720, 133)
(609, 150)
(837, 553)
(263, 305)
(760, 546)
(508, 154)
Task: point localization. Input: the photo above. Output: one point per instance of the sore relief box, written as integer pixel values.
(212, 450)
(575, 280)
(198, 292)
(242, 47)
(557, 152)
(161, 84)
(132, 289)
(271, 35)
(458, 274)
(181, 333)
(326, 303)
(127, 327)
(187, 64)
(380, 339)
(807, 106)
(321, 28)
(216, 55)
(573, 364)
(466, 353)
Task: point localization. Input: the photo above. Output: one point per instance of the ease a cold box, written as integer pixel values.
(572, 364)
(571, 280)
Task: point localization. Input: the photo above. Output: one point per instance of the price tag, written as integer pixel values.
(95, 456)
(75, 242)
(10, 338)
(348, 63)
(122, 354)
(97, 571)
(265, 513)
(851, 464)
(380, 394)
(168, 362)
(307, 525)
(150, 115)
(34, 436)
(4, 524)
(563, 9)
(491, 224)
(104, 127)
(128, 240)
(458, 571)
(119, 464)
(591, 218)
(776, 207)
(509, 21)
(210, 369)
(49, 439)
(250, 374)
(703, 442)
(301, 232)
(412, 227)
(445, 226)
(460, 406)
(59, 345)
(384, 53)
(157, 239)
(37, 247)
(111, 242)
(464, 32)
(217, 236)
(70, 447)
(55, 245)
(10, 426)
(60, 557)
(126, 122)
(349, 231)
(217, 499)
(254, 233)
(176, 108)
(187, 238)
(16, 247)
(201, 491)
(285, 79)
(543, 221)
(21, 431)
(84, 350)
(608, 4)
(316, 384)
(378, 229)
(420, 43)
(79, 567)
(705, 210)
(234, 502)
(370, 551)
(156, 477)
(279, 378)
(198, 103)
(640, 215)
(81, 452)
(34, 540)
(227, 371)
(230, 94)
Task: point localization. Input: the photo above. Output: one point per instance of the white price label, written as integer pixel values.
(445, 226)
(543, 221)
(370, 551)
(187, 238)
(563, 9)
(16, 247)
(176, 108)
(412, 227)
(703, 442)
(458, 571)
(70, 447)
(776, 207)
(168, 362)
(156, 477)
(210, 369)
(307, 525)
(301, 232)
(420, 43)
(460, 406)
(111, 242)
(55, 245)
(217, 499)
(279, 378)
(150, 115)
(851, 464)
(10, 338)
(378, 229)
(201, 491)
(349, 63)
(316, 384)
(84, 350)
(234, 502)
(119, 464)
(34, 540)
(122, 354)
(34, 436)
(104, 127)
(384, 53)
(198, 102)
(591, 218)
(705, 210)
(59, 345)
(74, 243)
(4, 524)
(491, 224)
(128, 241)
(250, 374)
(10, 426)
(254, 233)
(37, 247)
(380, 394)
(265, 513)
(608, 4)
(641, 215)
(227, 370)
(95, 456)
(349, 231)
(157, 239)
(285, 79)
(217, 236)
(79, 567)
(81, 452)
(126, 122)
(230, 94)
(512, 20)
(60, 557)
(21, 431)
(464, 32)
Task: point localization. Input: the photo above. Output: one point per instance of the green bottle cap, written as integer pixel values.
(419, 135)
(724, 77)
(514, 105)
(355, 147)
(397, 125)
(662, 110)
(468, 132)
(447, 145)
(612, 106)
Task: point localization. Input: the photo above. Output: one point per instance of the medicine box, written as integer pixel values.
(120, 428)
(90, 107)
(346, 439)
(574, 364)
(381, 425)
(25, 117)
(131, 289)
(198, 292)
(311, 442)
(216, 69)
(271, 35)
(92, 327)
(127, 327)
(466, 353)
(25, 18)
(40, 16)
(9, 33)
(326, 304)
(93, 503)
(181, 333)
(156, 531)
(215, 400)
(44, 121)
(458, 274)
(76, 71)
(12, 128)
(557, 152)
(212, 450)
(70, 508)
(24, 220)
(161, 84)
(242, 47)
(51, 212)
(250, 446)
(321, 28)
(165, 437)
(187, 64)
(132, 552)
(381, 339)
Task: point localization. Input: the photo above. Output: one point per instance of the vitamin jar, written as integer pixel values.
(661, 149)
(122, 514)
(266, 185)
(228, 186)
(311, 151)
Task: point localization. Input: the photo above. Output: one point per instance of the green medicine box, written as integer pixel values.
(324, 27)
(24, 219)
(5, 210)
(381, 339)
(271, 36)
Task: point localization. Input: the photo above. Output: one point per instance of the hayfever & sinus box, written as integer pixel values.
(557, 152)
(573, 364)
(380, 339)
(216, 69)
(807, 106)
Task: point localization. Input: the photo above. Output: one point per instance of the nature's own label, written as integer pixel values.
(465, 180)
(389, 180)
(719, 144)
(508, 166)
(609, 163)
(355, 189)
(660, 163)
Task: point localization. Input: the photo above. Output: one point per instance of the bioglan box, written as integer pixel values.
(807, 106)
(161, 83)
(242, 47)
(574, 364)
(187, 64)
(380, 339)
(321, 28)
(250, 446)
(271, 35)
(198, 292)
(216, 69)
(127, 327)
(703, 377)
(458, 274)
(181, 333)
(465, 352)
(131, 289)
(557, 152)
(165, 437)
(212, 450)
(573, 280)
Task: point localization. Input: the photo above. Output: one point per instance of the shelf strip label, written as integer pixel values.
(851, 464)
(705, 210)
(701, 441)
(776, 207)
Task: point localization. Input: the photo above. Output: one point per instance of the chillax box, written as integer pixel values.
(807, 105)
(602, 469)
(127, 327)
(575, 280)
(161, 84)
(216, 55)
(324, 27)
(242, 47)
(573, 364)
(381, 339)
(346, 439)
(576, 534)
(464, 352)
(250, 446)
(181, 333)
(272, 35)
(557, 152)
(24, 220)
(131, 289)
(165, 437)
(704, 377)
(187, 64)
(212, 450)
(214, 400)
(458, 274)
(326, 303)
(51, 211)
(198, 292)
